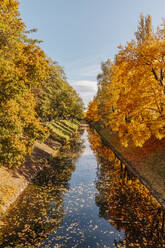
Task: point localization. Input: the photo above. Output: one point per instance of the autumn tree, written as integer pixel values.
(22, 66)
(105, 106)
(56, 98)
(92, 113)
(135, 95)
(31, 86)
(144, 30)
(139, 74)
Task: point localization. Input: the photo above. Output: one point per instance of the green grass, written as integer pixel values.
(73, 124)
(62, 130)
(64, 127)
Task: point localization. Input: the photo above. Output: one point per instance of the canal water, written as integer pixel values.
(84, 199)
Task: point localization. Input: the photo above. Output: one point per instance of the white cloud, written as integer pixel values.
(90, 71)
(86, 89)
(85, 68)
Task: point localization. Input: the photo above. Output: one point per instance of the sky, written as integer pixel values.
(80, 34)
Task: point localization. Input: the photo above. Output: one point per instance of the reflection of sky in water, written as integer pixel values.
(83, 204)
(82, 226)
(85, 167)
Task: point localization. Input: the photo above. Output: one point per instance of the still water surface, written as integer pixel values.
(82, 200)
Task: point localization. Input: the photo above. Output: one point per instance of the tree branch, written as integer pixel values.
(155, 75)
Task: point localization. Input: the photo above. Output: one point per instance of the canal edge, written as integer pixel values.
(18, 179)
(131, 168)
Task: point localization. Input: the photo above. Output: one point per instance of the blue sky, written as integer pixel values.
(80, 34)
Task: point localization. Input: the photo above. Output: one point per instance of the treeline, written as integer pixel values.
(131, 89)
(33, 89)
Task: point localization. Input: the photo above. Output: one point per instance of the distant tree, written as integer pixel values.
(56, 98)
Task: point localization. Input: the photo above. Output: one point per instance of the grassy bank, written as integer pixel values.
(62, 130)
(14, 180)
(146, 163)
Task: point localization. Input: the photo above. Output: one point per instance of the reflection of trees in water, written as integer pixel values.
(125, 202)
(39, 211)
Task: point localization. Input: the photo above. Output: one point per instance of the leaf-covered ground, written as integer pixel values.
(14, 180)
(148, 162)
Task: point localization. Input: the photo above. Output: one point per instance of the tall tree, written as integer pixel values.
(22, 66)
(131, 96)
(144, 30)
(30, 85)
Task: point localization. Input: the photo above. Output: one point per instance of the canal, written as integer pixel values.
(83, 199)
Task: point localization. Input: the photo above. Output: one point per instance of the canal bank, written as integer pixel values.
(13, 181)
(146, 163)
(80, 200)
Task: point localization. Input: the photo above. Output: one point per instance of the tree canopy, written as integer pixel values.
(56, 98)
(131, 93)
(32, 89)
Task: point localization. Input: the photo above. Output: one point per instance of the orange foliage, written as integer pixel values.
(92, 113)
(125, 202)
(131, 94)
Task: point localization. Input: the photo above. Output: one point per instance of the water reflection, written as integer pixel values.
(81, 201)
(82, 226)
(125, 203)
(40, 209)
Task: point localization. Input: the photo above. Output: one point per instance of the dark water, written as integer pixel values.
(83, 200)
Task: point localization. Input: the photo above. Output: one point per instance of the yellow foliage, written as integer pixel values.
(92, 113)
(131, 94)
(23, 65)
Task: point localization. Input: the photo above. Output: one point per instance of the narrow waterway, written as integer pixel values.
(83, 199)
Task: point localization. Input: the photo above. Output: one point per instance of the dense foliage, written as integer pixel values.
(131, 90)
(31, 86)
(56, 98)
